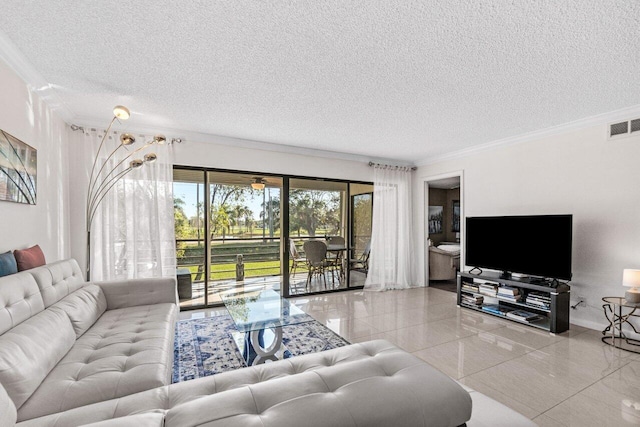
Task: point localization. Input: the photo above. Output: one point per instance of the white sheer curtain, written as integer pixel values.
(132, 235)
(391, 260)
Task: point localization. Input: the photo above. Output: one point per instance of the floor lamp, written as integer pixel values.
(105, 177)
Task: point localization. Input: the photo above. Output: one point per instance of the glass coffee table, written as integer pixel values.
(259, 318)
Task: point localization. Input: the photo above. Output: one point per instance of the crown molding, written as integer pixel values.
(597, 120)
(11, 55)
(200, 137)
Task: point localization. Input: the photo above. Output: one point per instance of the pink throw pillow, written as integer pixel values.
(29, 258)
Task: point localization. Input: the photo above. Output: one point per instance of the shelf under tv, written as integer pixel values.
(540, 324)
(555, 319)
(515, 303)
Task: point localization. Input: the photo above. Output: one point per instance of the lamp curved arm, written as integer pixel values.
(99, 197)
(92, 185)
(95, 161)
(105, 182)
(146, 145)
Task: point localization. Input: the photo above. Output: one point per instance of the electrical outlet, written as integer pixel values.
(581, 300)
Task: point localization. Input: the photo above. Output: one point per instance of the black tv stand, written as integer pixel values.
(553, 315)
(552, 283)
(505, 275)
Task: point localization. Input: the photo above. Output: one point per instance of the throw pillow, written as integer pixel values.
(8, 264)
(29, 258)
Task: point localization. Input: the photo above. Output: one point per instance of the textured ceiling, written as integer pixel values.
(404, 80)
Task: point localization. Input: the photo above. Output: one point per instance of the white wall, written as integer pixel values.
(24, 115)
(210, 154)
(579, 173)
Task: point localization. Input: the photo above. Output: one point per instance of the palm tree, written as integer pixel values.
(248, 221)
(240, 213)
(221, 222)
(309, 209)
(271, 215)
(223, 196)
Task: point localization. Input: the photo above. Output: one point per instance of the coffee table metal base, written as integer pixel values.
(255, 350)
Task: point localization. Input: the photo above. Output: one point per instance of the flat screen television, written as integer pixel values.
(535, 245)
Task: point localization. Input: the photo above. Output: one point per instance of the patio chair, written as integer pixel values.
(336, 240)
(316, 254)
(295, 257)
(363, 260)
(335, 258)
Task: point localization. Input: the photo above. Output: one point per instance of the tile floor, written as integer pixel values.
(571, 379)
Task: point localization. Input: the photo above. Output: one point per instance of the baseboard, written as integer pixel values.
(589, 324)
(598, 326)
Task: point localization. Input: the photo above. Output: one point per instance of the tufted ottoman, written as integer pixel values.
(371, 384)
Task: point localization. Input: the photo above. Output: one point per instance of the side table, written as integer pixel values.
(613, 334)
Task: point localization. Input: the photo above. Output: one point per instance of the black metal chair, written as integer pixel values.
(363, 260)
(295, 257)
(335, 259)
(316, 254)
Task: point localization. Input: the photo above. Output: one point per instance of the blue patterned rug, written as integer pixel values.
(205, 347)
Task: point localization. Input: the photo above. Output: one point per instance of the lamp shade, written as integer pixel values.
(258, 184)
(127, 139)
(121, 112)
(631, 278)
(150, 158)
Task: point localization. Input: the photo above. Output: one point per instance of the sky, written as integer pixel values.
(188, 193)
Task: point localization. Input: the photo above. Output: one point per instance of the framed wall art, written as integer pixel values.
(455, 216)
(18, 170)
(435, 219)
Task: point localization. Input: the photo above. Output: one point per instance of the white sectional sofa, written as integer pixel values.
(67, 343)
(75, 353)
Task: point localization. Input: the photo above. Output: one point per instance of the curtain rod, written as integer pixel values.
(76, 127)
(392, 166)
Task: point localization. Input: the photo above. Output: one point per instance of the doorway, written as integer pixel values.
(444, 230)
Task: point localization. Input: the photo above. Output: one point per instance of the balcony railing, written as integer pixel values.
(261, 256)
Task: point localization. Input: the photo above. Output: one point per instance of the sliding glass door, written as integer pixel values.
(238, 231)
(245, 233)
(227, 234)
(361, 223)
(317, 212)
(191, 229)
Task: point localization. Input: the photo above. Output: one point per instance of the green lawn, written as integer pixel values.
(251, 269)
